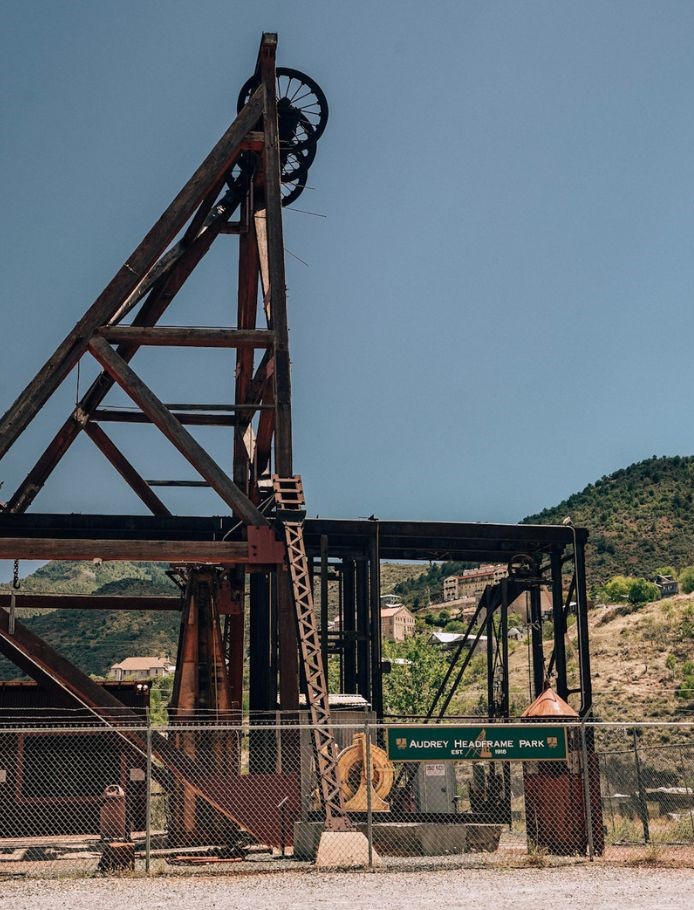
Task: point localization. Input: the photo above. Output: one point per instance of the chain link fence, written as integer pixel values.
(81, 799)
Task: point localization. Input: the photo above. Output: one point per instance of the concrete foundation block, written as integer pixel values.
(344, 850)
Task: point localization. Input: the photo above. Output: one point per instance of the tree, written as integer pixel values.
(617, 589)
(642, 591)
(410, 687)
(633, 590)
(455, 625)
(666, 570)
(686, 579)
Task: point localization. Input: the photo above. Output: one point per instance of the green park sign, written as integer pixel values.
(493, 742)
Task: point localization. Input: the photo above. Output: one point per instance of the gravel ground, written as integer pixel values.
(578, 888)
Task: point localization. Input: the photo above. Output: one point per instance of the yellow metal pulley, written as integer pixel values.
(351, 766)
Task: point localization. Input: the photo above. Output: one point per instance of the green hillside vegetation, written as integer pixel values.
(100, 578)
(639, 518)
(95, 640)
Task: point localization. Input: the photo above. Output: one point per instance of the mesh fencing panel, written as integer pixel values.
(81, 799)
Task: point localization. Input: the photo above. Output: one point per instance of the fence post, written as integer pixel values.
(369, 793)
(643, 805)
(687, 789)
(148, 795)
(586, 792)
(609, 790)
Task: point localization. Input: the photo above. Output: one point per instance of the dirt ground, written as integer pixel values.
(576, 887)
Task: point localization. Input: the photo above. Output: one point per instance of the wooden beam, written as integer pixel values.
(247, 310)
(263, 376)
(126, 378)
(208, 552)
(288, 653)
(275, 263)
(108, 415)
(129, 276)
(188, 336)
(158, 299)
(264, 437)
(215, 222)
(90, 601)
(108, 448)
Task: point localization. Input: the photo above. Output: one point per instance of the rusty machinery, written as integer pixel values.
(252, 569)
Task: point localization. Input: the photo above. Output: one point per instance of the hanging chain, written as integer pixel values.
(15, 575)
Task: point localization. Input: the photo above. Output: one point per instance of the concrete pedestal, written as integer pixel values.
(344, 850)
(405, 839)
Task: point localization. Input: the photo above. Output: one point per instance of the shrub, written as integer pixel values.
(642, 591)
(455, 625)
(686, 579)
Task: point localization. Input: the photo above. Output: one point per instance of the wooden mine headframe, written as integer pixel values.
(262, 156)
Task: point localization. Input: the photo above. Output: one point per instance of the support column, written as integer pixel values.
(230, 603)
(201, 692)
(350, 585)
(536, 642)
(324, 600)
(376, 677)
(363, 643)
(562, 685)
(582, 626)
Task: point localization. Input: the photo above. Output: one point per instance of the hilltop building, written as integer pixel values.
(472, 582)
(397, 623)
(141, 668)
(667, 585)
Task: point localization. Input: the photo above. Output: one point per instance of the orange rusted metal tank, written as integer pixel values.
(554, 790)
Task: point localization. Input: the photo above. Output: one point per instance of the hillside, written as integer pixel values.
(640, 659)
(96, 640)
(639, 518)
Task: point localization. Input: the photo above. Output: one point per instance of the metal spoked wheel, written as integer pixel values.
(293, 188)
(300, 101)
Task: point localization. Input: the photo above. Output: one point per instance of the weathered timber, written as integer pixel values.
(134, 480)
(188, 336)
(158, 299)
(246, 318)
(178, 483)
(90, 601)
(233, 227)
(275, 255)
(131, 273)
(175, 432)
(417, 540)
(207, 552)
(288, 656)
(242, 406)
(112, 415)
(261, 385)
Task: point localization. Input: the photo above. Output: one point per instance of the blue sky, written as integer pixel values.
(497, 306)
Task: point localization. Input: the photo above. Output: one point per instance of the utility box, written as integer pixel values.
(436, 787)
(112, 824)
